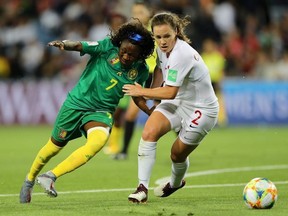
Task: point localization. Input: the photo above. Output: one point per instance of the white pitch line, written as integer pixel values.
(227, 170)
(193, 174)
(150, 188)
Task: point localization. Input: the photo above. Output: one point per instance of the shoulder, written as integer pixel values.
(97, 47)
(185, 52)
(181, 52)
(184, 48)
(142, 66)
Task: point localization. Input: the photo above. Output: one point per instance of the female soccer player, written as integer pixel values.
(140, 10)
(89, 107)
(188, 104)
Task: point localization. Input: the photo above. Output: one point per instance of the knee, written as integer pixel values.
(97, 139)
(174, 157)
(150, 134)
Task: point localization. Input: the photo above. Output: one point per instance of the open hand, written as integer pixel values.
(59, 44)
(133, 90)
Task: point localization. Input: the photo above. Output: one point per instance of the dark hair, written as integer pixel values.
(174, 21)
(136, 34)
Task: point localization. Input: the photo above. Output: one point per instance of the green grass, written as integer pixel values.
(207, 194)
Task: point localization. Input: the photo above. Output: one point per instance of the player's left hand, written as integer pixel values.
(133, 90)
(57, 43)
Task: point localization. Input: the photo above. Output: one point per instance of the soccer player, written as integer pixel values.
(188, 104)
(89, 106)
(140, 10)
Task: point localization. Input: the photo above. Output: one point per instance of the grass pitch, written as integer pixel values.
(219, 169)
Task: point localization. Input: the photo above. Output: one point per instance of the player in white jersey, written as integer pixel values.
(188, 104)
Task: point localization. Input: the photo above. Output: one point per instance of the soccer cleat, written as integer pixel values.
(26, 191)
(166, 189)
(46, 181)
(140, 195)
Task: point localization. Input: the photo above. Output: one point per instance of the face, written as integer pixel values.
(128, 53)
(165, 37)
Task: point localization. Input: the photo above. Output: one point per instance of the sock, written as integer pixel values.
(114, 140)
(146, 160)
(178, 172)
(43, 156)
(96, 139)
(128, 133)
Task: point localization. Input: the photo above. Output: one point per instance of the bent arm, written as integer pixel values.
(141, 103)
(67, 45)
(157, 78)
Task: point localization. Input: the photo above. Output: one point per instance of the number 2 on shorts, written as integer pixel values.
(198, 116)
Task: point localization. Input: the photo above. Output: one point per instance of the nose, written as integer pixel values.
(162, 41)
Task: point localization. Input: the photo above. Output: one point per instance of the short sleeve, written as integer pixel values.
(95, 47)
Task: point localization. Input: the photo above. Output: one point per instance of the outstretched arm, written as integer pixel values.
(165, 92)
(67, 45)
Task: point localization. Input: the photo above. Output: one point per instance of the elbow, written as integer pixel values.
(168, 96)
(172, 93)
(172, 96)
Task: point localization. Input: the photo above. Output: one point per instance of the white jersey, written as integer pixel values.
(186, 69)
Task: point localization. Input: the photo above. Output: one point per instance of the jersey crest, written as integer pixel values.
(62, 133)
(132, 74)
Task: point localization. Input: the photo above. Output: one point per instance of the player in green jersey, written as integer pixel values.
(89, 107)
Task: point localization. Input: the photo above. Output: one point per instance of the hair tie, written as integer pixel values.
(136, 37)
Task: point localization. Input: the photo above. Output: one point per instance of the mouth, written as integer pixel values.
(123, 61)
(164, 47)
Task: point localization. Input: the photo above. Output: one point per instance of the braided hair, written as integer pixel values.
(136, 34)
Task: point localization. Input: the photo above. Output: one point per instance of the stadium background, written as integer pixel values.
(252, 37)
(34, 80)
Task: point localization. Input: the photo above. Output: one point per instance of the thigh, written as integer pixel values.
(195, 127)
(67, 124)
(169, 111)
(155, 127)
(94, 119)
(162, 120)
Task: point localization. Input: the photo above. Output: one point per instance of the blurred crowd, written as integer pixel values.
(250, 37)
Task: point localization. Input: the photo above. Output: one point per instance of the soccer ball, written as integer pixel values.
(260, 193)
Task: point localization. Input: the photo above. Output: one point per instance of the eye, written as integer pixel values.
(167, 36)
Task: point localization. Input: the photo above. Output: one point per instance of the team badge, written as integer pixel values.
(62, 134)
(132, 74)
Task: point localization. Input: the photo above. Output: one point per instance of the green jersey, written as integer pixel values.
(100, 85)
